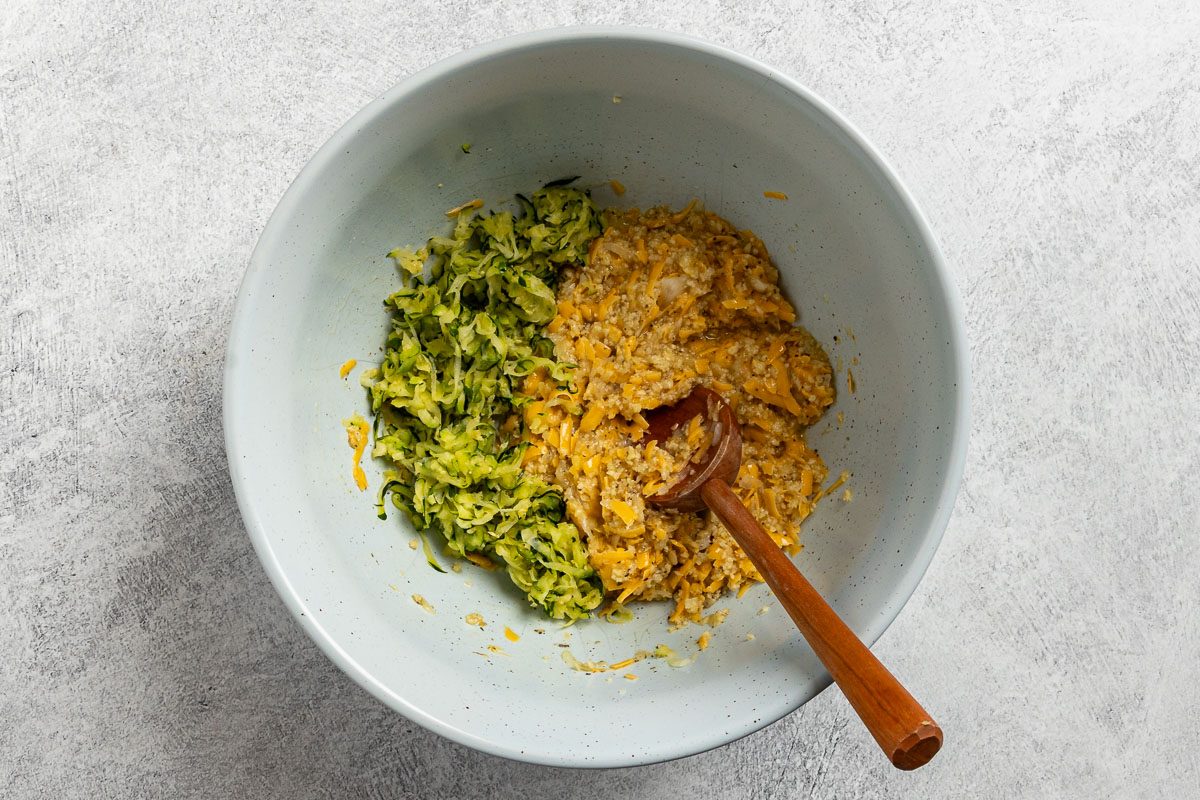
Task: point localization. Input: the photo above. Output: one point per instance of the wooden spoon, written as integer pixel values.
(908, 735)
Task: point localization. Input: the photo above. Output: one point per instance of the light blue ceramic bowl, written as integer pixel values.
(672, 119)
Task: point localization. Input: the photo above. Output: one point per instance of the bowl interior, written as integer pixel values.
(671, 120)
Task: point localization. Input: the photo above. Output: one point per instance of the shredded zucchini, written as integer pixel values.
(463, 340)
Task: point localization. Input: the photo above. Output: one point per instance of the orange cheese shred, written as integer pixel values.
(481, 561)
(357, 433)
(470, 205)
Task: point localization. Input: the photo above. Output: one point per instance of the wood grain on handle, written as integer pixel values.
(905, 731)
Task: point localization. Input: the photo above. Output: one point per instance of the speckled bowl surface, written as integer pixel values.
(672, 119)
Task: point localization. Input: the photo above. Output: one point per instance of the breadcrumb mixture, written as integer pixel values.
(669, 300)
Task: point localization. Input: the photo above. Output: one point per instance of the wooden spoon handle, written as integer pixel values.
(905, 731)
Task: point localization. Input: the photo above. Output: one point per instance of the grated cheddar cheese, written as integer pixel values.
(707, 309)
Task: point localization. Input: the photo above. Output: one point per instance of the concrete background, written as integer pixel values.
(1056, 148)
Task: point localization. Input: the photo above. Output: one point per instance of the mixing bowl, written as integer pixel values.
(672, 119)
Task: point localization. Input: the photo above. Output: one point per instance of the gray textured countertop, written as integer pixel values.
(1056, 149)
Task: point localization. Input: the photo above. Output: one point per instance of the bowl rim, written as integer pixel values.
(273, 230)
